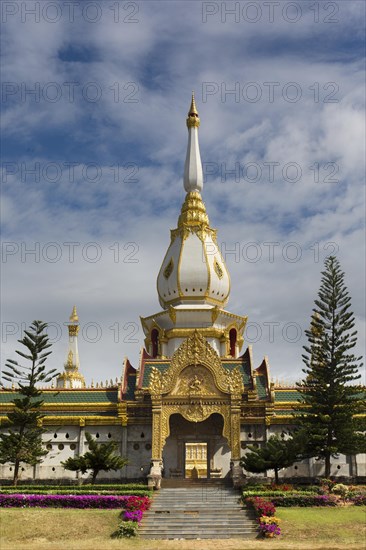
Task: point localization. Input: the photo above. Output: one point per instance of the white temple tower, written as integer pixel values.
(71, 377)
(193, 282)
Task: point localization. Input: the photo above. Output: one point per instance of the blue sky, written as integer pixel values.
(280, 92)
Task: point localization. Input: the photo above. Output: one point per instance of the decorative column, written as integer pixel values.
(154, 477)
(236, 469)
(81, 445)
(122, 415)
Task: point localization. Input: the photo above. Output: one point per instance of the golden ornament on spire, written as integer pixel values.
(74, 316)
(193, 120)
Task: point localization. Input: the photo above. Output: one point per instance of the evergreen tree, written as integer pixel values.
(23, 442)
(329, 401)
(100, 456)
(275, 454)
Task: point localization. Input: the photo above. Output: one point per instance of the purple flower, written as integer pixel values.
(72, 501)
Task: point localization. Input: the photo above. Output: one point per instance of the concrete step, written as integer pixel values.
(197, 512)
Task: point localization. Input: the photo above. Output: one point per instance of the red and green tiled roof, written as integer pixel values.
(69, 396)
(287, 395)
(262, 389)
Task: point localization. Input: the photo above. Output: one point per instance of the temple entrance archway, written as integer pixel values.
(196, 449)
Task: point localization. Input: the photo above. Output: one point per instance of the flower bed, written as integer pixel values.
(74, 501)
(71, 491)
(265, 511)
(269, 494)
(131, 517)
(359, 500)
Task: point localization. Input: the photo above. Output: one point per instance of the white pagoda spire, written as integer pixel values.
(193, 177)
(71, 377)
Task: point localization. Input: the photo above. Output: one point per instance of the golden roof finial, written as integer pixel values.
(193, 118)
(193, 108)
(74, 316)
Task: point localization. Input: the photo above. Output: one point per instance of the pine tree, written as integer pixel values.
(23, 441)
(100, 456)
(275, 454)
(329, 398)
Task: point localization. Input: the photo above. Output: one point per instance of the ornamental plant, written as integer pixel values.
(269, 526)
(126, 529)
(22, 444)
(133, 515)
(99, 457)
(138, 503)
(281, 487)
(262, 507)
(341, 490)
(330, 409)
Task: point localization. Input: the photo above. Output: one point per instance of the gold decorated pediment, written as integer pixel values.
(196, 370)
(196, 381)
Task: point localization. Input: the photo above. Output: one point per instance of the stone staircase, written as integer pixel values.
(197, 510)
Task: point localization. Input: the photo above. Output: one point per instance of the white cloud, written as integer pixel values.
(169, 52)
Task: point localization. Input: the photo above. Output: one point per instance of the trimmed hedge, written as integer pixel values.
(37, 491)
(73, 501)
(304, 501)
(270, 494)
(85, 487)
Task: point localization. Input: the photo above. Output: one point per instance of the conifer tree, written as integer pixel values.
(330, 399)
(100, 456)
(22, 443)
(274, 454)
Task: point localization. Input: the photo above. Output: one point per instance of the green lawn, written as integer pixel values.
(66, 529)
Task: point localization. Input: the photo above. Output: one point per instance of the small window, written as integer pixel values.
(295, 467)
(48, 446)
(232, 339)
(136, 446)
(61, 446)
(73, 446)
(109, 435)
(338, 467)
(97, 435)
(55, 436)
(148, 446)
(67, 436)
(53, 469)
(249, 435)
(154, 342)
(142, 435)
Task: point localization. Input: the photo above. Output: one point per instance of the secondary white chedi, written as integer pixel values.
(71, 377)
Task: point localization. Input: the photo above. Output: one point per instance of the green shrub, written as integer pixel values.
(126, 529)
(269, 494)
(127, 489)
(304, 500)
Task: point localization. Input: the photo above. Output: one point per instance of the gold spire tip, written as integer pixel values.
(193, 118)
(74, 315)
(193, 108)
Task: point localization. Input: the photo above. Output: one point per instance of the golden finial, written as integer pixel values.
(193, 119)
(193, 108)
(74, 316)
